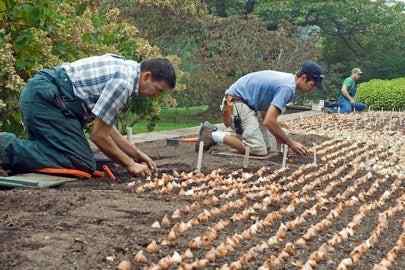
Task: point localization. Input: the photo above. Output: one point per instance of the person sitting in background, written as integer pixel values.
(346, 99)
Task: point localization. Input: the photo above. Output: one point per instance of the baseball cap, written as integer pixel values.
(314, 71)
(357, 71)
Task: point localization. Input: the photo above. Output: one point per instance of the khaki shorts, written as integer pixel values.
(254, 135)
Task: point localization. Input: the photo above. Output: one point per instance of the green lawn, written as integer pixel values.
(174, 118)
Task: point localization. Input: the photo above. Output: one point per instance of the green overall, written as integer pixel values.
(55, 131)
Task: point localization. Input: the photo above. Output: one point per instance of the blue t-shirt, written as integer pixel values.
(264, 88)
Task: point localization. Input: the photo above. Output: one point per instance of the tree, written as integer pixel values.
(361, 33)
(216, 51)
(49, 32)
(234, 47)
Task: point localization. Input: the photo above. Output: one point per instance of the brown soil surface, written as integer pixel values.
(94, 224)
(79, 225)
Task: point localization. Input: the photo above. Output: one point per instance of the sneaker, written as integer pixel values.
(205, 135)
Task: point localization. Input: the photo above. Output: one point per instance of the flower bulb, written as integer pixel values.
(140, 257)
(152, 247)
(156, 225)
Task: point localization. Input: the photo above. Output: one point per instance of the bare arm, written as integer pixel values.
(345, 93)
(131, 149)
(270, 122)
(101, 135)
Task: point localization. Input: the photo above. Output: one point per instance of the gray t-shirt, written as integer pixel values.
(261, 89)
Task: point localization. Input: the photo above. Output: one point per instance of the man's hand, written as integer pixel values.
(137, 169)
(299, 148)
(151, 164)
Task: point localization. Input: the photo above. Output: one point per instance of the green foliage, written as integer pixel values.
(50, 32)
(217, 51)
(235, 47)
(383, 94)
(224, 8)
(363, 33)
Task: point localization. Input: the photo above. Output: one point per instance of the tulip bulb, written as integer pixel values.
(211, 255)
(176, 258)
(152, 247)
(166, 262)
(195, 243)
(156, 225)
(140, 258)
(176, 214)
(166, 221)
(222, 251)
(124, 265)
(172, 236)
(188, 254)
(202, 263)
(290, 249)
(236, 265)
(184, 227)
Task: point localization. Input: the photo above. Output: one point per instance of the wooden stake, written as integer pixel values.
(246, 157)
(129, 133)
(315, 161)
(200, 156)
(285, 156)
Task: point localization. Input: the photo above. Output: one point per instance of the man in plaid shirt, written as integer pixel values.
(57, 104)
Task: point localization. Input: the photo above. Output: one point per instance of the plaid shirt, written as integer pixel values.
(104, 83)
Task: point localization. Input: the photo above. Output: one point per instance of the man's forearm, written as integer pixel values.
(128, 148)
(347, 95)
(109, 147)
(278, 132)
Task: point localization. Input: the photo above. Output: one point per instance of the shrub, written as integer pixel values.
(383, 94)
(41, 34)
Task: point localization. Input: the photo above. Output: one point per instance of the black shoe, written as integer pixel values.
(205, 135)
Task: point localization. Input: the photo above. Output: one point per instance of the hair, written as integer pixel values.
(308, 78)
(161, 69)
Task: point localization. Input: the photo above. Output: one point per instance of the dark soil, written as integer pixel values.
(94, 224)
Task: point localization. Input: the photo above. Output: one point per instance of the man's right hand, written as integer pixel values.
(299, 148)
(137, 169)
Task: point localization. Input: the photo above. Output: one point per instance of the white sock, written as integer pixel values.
(218, 136)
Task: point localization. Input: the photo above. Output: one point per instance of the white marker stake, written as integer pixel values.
(285, 156)
(129, 133)
(200, 156)
(246, 158)
(315, 161)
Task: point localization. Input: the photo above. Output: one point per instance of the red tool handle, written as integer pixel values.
(107, 170)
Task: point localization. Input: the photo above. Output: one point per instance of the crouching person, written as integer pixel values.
(57, 104)
(347, 95)
(266, 92)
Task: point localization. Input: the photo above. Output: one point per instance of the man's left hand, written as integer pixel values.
(149, 161)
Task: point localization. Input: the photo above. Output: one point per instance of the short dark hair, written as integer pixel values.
(309, 77)
(161, 69)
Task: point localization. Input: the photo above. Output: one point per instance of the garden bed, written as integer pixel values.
(93, 224)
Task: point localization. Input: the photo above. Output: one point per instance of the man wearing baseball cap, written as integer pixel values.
(265, 91)
(347, 94)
